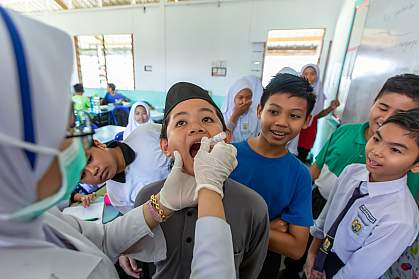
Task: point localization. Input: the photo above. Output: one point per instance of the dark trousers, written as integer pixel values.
(293, 267)
(302, 154)
(271, 266)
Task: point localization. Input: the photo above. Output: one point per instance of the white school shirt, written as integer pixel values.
(149, 165)
(376, 229)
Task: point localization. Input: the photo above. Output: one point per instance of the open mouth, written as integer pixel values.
(373, 163)
(193, 150)
(278, 134)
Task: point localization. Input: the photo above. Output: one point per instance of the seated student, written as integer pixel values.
(80, 101)
(190, 114)
(127, 166)
(112, 96)
(266, 166)
(370, 216)
(347, 145)
(139, 114)
(239, 108)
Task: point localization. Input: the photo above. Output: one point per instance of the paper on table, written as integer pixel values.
(92, 213)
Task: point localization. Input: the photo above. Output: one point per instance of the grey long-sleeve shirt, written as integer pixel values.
(247, 214)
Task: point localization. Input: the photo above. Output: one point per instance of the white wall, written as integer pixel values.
(182, 41)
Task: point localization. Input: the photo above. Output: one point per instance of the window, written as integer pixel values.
(291, 48)
(104, 59)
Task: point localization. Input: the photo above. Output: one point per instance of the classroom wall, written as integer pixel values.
(180, 41)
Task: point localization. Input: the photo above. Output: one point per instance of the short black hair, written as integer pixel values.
(112, 86)
(290, 84)
(408, 120)
(78, 88)
(404, 84)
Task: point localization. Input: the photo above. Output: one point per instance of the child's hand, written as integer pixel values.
(334, 104)
(242, 108)
(86, 200)
(308, 268)
(129, 265)
(279, 225)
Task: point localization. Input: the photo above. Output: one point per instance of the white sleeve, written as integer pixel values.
(213, 251)
(380, 250)
(127, 234)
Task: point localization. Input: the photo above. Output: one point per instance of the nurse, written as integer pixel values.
(41, 162)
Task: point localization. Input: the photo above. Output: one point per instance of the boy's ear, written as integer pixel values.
(415, 168)
(259, 111)
(307, 121)
(229, 136)
(164, 146)
(100, 145)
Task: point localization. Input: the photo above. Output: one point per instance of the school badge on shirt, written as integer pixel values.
(356, 225)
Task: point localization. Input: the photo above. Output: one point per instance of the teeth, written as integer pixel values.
(278, 133)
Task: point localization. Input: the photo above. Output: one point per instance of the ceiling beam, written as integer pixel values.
(61, 4)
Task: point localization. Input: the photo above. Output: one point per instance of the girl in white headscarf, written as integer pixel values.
(308, 135)
(39, 167)
(239, 108)
(139, 114)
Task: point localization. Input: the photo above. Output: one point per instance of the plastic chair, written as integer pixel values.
(120, 116)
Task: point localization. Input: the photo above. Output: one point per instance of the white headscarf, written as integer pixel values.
(248, 123)
(132, 123)
(317, 89)
(48, 56)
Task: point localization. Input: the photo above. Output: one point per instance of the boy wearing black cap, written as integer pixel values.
(190, 115)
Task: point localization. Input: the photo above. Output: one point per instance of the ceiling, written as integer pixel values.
(28, 6)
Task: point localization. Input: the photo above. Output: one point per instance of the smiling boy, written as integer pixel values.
(370, 216)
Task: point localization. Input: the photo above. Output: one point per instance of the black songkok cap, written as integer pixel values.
(183, 91)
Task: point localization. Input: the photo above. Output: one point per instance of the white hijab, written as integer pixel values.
(132, 123)
(248, 123)
(317, 89)
(48, 56)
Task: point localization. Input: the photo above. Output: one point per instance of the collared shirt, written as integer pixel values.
(149, 165)
(376, 229)
(347, 146)
(245, 211)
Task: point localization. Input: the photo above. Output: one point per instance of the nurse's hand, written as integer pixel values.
(129, 265)
(213, 167)
(179, 188)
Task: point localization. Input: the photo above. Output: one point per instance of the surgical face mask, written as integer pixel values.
(71, 161)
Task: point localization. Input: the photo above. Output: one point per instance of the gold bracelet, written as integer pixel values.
(156, 205)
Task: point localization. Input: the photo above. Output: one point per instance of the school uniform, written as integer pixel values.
(110, 99)
(375, 229)
(145, 163)
(246, 213)
(346, 146)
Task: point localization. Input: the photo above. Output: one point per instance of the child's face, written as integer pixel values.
(189, 121)
(101, 165)
(282, 118)
(387, 105)
(141, 114)
(390, 153)
(310, 74)
(244, 96)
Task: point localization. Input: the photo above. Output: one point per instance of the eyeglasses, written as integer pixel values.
(80, 126)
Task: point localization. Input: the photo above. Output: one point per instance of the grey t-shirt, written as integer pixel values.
(245, 211)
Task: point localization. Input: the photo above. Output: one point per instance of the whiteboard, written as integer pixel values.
(389, 45)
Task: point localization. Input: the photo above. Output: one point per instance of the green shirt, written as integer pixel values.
(346, 146)
(81, 102)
